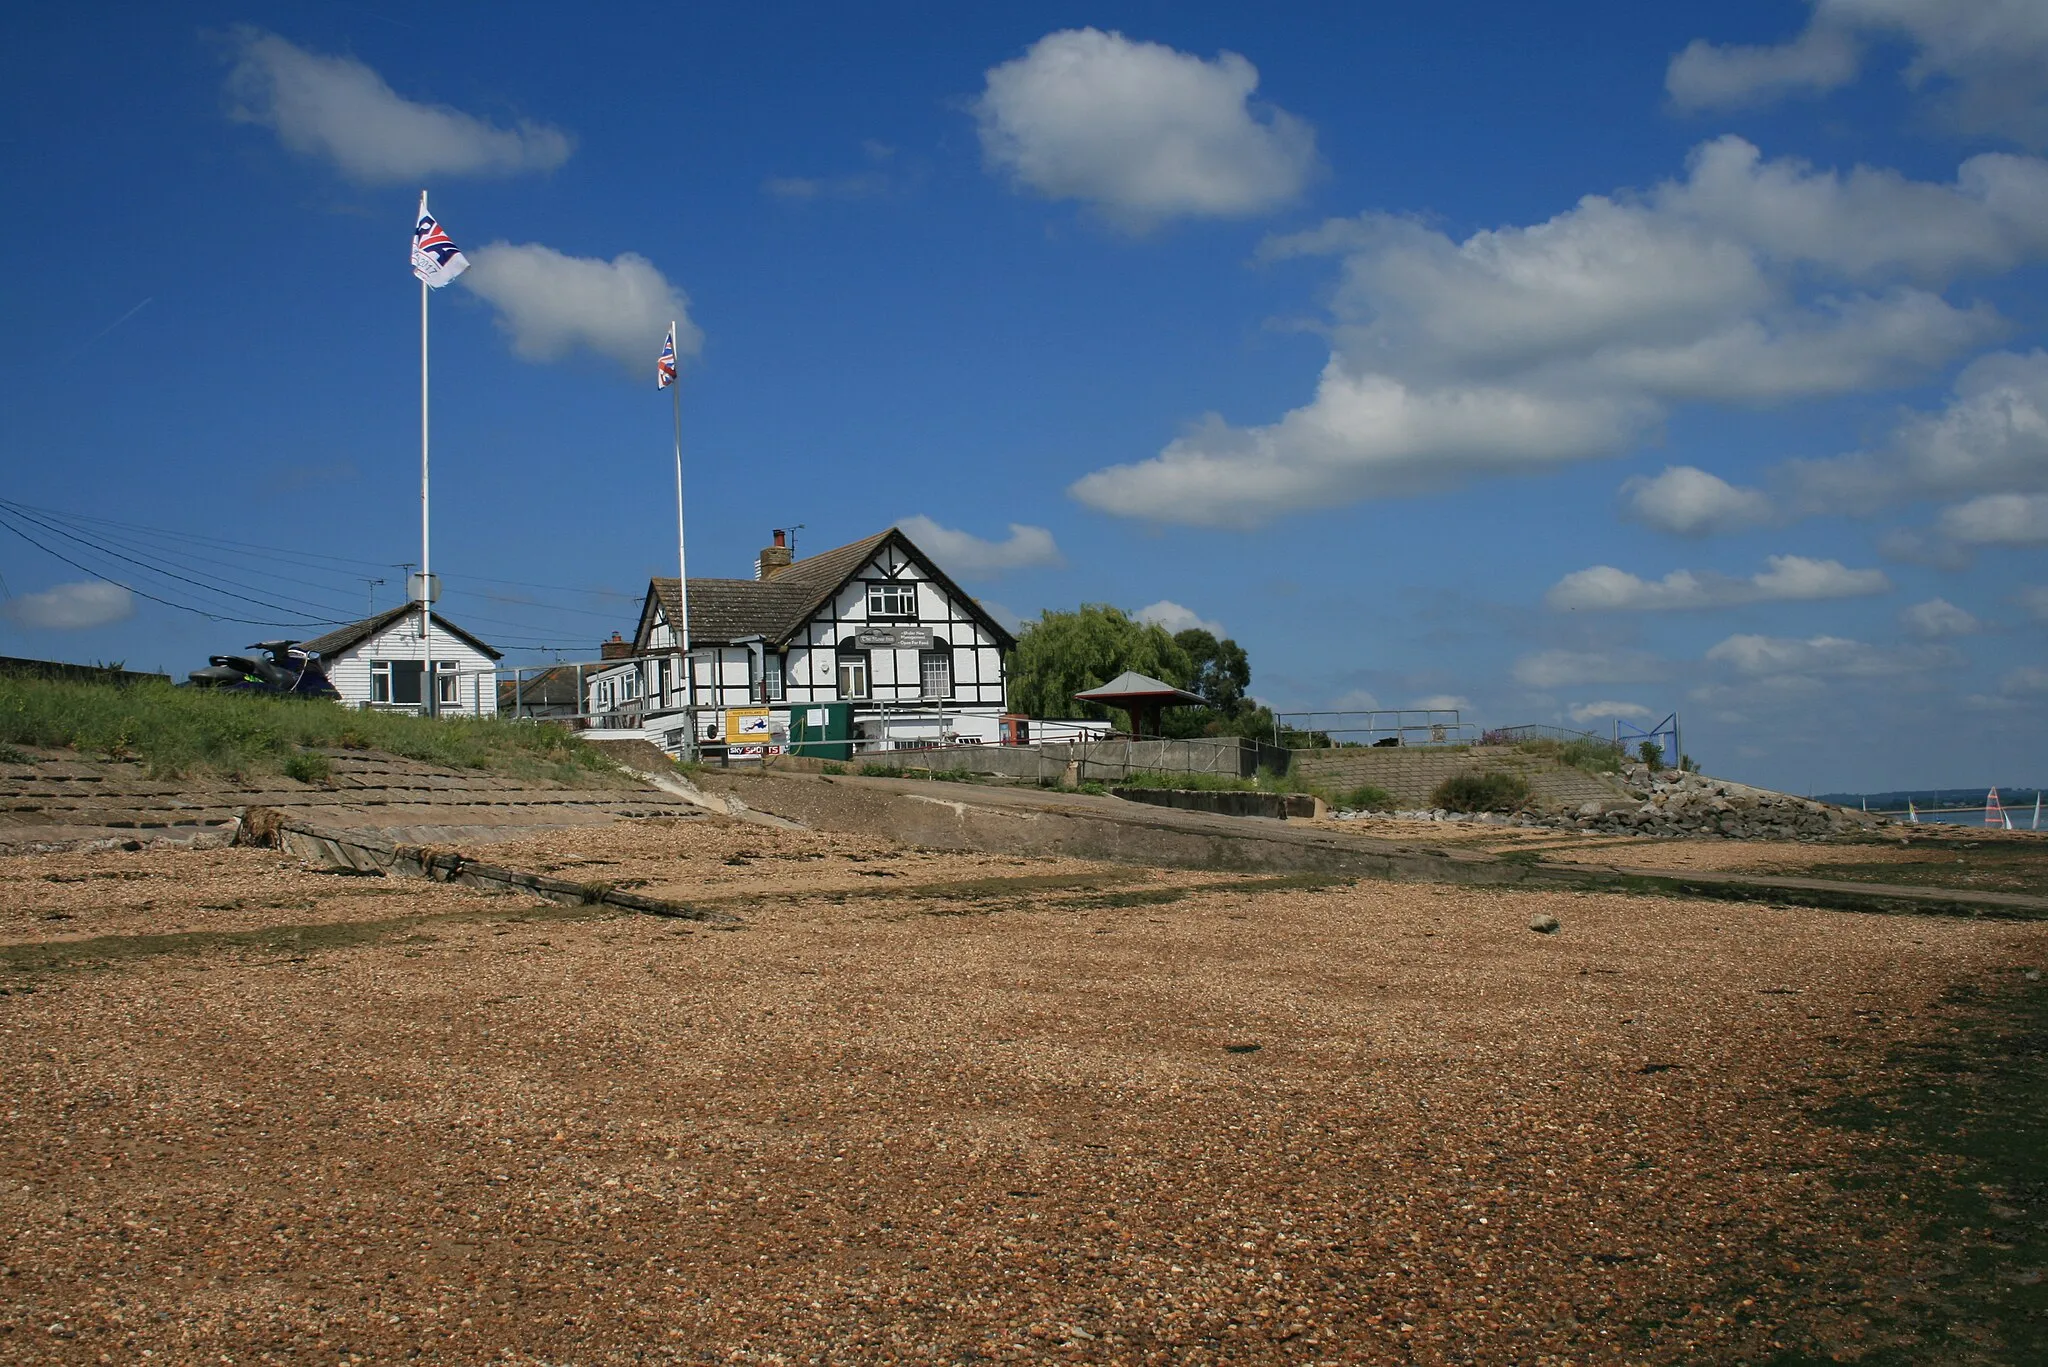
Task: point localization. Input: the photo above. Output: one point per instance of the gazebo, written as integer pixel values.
(1142, 696)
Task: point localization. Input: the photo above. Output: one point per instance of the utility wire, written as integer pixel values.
(141, 593)
(168, 574)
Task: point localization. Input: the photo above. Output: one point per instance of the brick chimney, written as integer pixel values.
(617, 648)
(774, 559)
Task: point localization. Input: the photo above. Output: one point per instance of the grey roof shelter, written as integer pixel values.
(1142, 696)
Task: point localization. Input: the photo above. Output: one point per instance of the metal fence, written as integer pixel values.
(1391, 726)
(1515, 735)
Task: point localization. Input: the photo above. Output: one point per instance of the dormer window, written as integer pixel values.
(892, 600)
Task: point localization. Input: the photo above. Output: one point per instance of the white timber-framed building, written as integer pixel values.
(876, 624)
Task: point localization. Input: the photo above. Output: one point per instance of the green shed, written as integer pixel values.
(821, 730)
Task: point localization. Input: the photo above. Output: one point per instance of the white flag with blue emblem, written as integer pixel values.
(435, 257)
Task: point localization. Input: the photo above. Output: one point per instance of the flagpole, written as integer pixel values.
(431, 699)
(683, 567)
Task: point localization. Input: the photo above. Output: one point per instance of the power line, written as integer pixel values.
(158, 569)
(140, 593)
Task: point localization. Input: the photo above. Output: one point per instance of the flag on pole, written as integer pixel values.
(435, 257)
(665, 366)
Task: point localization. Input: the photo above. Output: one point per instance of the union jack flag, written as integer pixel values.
(665, 366)
(435, 257)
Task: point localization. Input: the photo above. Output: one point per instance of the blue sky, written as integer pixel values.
(1564, 361)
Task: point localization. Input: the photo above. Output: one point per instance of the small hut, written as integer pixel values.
(1143, 697)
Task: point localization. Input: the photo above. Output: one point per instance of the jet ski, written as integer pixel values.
(284, 670)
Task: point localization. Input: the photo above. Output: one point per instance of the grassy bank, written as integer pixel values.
(180, 731)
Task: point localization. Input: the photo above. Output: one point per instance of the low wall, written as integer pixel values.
(1101, 761)
(1227, 802)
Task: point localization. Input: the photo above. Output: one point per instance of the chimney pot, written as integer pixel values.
(617, 648)
(778, 537)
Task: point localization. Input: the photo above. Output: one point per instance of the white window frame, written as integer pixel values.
(859, 665)
(448, 676)
(926, 659)
(380, 682)
(903, 591)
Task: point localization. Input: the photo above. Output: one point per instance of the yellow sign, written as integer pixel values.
(746, 726)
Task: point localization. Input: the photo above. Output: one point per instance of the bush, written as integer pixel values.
(874, 770)
(309, 766)
(1364, 798)
(831, 768)
(1651, 754)
(1489, 792)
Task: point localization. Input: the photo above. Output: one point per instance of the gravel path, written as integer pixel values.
(1126, 1122)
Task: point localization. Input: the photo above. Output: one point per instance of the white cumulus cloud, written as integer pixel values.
(1442, 702)
(1788, 578)
(1748, 282)
(1982, 64)
(1688, 501)
(1992, 437)
(1997, 520)
(1782, 656)
(1175, 618)
(340, 109)
(550, 304)
(1565, 668)
(71, 607)
(1708, 76)
(1140, 130)
(974, 557)
(1936, 618)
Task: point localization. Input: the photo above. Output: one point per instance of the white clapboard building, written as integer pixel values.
(381, 662)
(876, 624)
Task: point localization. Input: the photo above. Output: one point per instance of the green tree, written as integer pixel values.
(1064, 653)
(1222, 674)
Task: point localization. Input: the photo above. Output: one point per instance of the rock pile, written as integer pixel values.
(1440, 814)
(1671, 803)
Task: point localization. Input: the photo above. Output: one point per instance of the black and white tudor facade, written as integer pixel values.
(876, 624)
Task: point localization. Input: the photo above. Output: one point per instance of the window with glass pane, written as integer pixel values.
(935, 673)
(853, 676)
(892, 600)
(380, 681)
(450, 681)
(771, 681)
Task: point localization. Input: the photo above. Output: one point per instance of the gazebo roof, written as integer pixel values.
(1132, 687)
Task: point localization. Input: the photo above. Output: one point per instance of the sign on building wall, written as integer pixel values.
(894, 638)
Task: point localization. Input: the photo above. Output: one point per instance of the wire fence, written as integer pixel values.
(1387, 727)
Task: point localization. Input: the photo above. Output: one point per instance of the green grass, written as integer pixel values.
(1492, 792)
(179, 731)
(1594, 756)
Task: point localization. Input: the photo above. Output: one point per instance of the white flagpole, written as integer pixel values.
(431, 683)
(683, 563)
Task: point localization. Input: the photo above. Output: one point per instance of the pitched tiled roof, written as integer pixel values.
(727, 610)
(342, 638)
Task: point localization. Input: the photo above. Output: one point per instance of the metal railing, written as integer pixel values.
(1389, 726)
